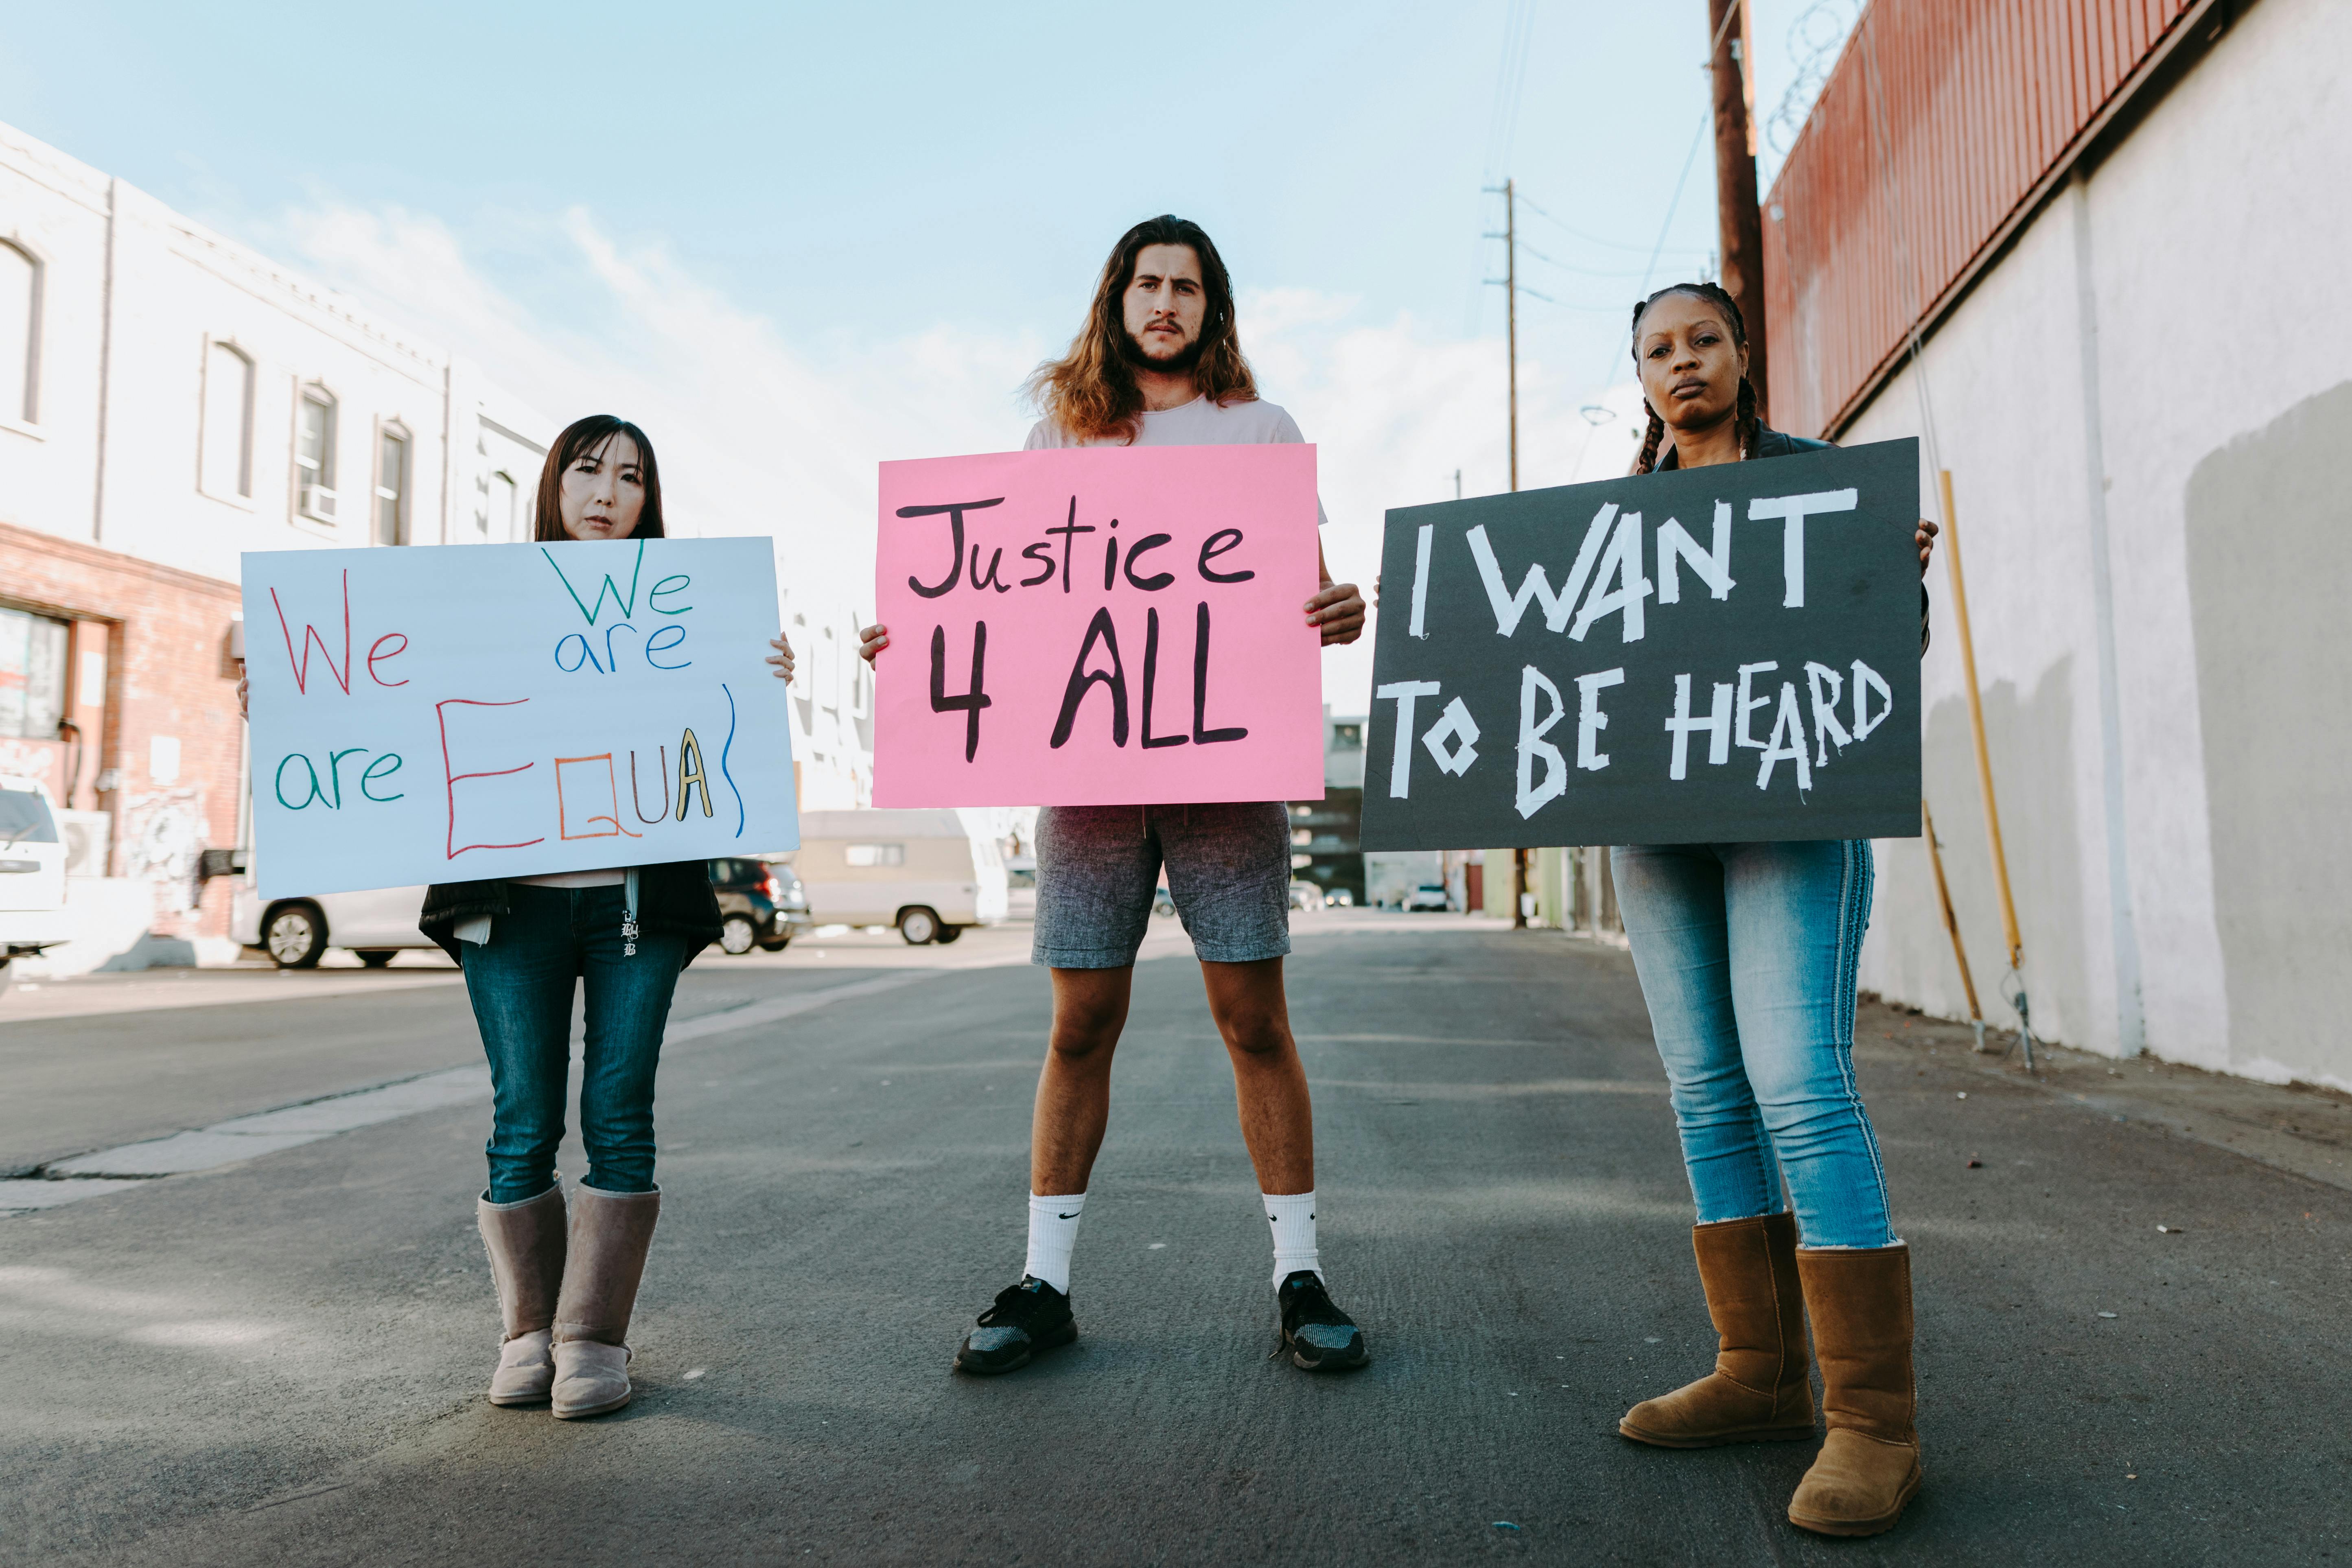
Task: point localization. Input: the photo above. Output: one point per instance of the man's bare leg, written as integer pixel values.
(1278, 1115)
(1277, 1120)
(1066, 1130)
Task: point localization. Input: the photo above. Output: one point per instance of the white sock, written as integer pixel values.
(1293, 1218)
(1053, 1232)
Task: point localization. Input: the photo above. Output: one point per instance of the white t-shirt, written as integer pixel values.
(1199, 423)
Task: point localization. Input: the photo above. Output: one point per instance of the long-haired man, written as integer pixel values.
(1160, 364)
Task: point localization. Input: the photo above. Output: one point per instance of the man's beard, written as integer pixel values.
(1183, 361)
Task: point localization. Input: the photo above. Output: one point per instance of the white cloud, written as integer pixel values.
(763, 435)
(1396, 411)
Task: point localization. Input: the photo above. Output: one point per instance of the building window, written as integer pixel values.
(227, 459)
(314, 454)
(503, 521)
(877, 854)
(20, 336)
(391, 486)
(32, 675)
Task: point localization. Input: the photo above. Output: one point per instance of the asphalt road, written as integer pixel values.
(282, 1361)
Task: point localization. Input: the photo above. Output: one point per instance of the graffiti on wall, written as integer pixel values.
(164, 834)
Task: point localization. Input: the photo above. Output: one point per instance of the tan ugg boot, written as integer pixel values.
(525, 1241)
(610, 1234)
(1869, 1465)
(1760, 1391)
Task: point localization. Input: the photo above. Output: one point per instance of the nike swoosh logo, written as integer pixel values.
(1069, 1216)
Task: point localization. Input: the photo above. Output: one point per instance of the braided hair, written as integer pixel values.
(1747, 424)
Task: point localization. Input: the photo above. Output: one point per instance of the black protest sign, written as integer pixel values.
(1728, 653)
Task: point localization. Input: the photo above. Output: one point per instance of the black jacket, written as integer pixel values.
(673, 899)
(1771, 443)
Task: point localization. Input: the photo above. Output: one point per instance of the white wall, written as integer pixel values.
(2160, 315)
(135, 295)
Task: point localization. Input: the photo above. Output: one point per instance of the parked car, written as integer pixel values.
(757, 907)
(922, 871)
(761, 905)
(297, 933)
(1163, 903)
(1339, 899)
(1428, 896)
(1304, 896)
(32, 873)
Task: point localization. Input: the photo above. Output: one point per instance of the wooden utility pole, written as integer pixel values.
(1739, 221)
(1511, 314)
(1508, 191)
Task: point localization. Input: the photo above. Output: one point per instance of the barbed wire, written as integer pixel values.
(1815, 39)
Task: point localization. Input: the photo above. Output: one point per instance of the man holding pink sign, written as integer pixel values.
(1106, 623)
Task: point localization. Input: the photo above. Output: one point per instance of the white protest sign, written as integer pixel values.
(444, 715)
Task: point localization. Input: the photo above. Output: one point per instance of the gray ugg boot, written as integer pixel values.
(610, 1234)
(525, 1241)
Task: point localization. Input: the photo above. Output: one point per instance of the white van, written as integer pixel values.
(297, 933)
(922, 871)
(32, 872)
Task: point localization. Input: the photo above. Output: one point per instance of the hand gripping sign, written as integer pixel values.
(445, 714)
(1098, 626)
(1726, 654)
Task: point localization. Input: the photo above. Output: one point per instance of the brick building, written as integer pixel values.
(147, 742)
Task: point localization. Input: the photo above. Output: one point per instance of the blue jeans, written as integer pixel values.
(521, 982)
(1747, 954)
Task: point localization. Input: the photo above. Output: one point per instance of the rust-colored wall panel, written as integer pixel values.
(1941, 119)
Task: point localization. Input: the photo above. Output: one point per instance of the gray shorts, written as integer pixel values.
(1228, 872)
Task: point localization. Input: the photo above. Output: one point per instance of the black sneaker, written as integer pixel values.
(1027, 1318)
(1319, 1336)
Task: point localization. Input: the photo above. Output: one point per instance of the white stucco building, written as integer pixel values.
(2139, 374)
(170, 399)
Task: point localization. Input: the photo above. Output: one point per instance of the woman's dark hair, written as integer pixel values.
(589, 435)
(1090, 391)
(1714, 294)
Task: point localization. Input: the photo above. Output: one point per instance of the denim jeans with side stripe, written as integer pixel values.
(1747, 954)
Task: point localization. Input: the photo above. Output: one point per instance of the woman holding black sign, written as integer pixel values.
(567, 1277)
(1747, 954)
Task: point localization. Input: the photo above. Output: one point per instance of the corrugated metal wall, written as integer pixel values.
(1941, 121)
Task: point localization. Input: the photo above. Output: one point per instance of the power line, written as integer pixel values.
(1579, 234)
(1528, 249)
(1595, 413)
(1510, 82)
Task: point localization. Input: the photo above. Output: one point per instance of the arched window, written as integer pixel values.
(227, 459)
(502, 523)
(20, 336)
(314, 454)
(392, 485)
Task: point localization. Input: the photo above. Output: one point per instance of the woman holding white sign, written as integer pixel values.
(567, 1277)
(1747, 954)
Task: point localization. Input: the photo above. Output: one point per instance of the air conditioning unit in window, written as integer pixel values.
(319, 501)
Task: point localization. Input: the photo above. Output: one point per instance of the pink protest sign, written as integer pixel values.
(1098, 626)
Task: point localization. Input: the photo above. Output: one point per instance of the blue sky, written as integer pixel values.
(865, 171)
(854, 227)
